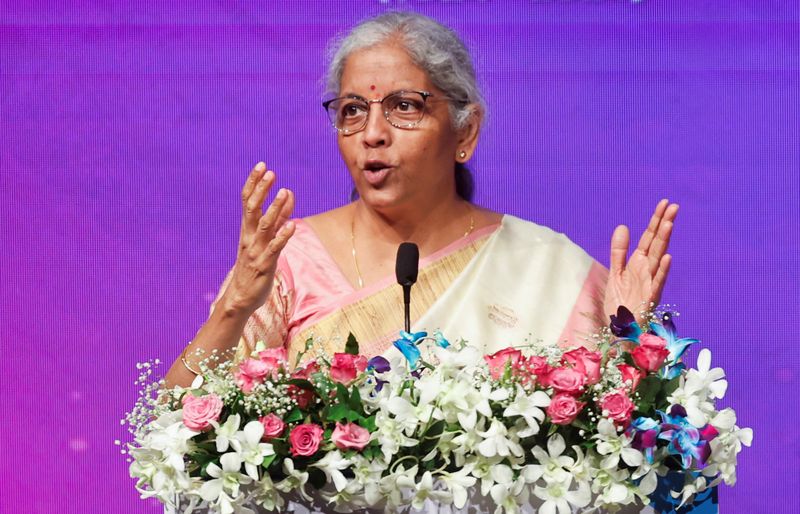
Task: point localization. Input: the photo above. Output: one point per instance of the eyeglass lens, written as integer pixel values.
(403, 109)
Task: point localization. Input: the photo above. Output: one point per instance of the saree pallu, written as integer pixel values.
(508, 284)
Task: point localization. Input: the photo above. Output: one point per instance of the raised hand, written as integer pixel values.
(261, 239)
(640, 278)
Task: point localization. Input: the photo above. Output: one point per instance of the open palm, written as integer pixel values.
(640, 278)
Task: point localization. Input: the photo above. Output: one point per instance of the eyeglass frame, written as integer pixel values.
(425, 95)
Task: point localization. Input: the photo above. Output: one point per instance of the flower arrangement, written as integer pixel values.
(569, 428)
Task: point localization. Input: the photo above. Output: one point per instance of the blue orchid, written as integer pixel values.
(440, 340)
(407, 344)
(645, 434)
(685, 440)
(677, 346)
(624, 325)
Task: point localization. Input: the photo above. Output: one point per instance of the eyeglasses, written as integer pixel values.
(403, 109)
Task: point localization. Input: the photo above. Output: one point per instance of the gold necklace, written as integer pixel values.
(353, 242)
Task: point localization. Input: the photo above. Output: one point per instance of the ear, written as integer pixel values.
(468, 135)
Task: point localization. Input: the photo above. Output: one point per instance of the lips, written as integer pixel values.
(376, 171)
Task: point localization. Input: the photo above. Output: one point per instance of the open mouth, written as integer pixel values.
(375, 172)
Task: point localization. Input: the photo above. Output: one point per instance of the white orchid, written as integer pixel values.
(226, 479)
(295, 480)
(558, 495)
(497, 442)
(247, 444)
(528, 407)
(332, 465)
(615, 445)
(458, 483)
(226, 431)
(551, 464)
(423, 490)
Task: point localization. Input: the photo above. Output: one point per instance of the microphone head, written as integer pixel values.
(407, 265)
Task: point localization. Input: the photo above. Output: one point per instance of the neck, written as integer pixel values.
(420, 225)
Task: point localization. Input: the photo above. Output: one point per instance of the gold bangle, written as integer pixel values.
(185, 363)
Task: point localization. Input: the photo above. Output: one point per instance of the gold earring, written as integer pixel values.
(462, 154)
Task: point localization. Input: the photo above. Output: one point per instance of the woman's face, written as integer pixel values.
(394, 168)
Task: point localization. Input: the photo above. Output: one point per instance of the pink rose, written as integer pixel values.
(585, 361)
(346, 367)
(350, 436)
(566, 380)
(538, 366)
(305, 439)
(277, 354)
(273, 426)
(652, 340)
(649, 358)
(306, 371)
(564, 408)
(250, 373)
(617, 407)
(498, 360)
(200, 411)
(630, 373)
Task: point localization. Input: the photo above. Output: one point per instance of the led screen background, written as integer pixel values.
(129, 127)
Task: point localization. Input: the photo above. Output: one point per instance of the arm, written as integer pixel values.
(261, 240)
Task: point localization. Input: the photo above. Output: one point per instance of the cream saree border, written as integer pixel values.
(376, 319)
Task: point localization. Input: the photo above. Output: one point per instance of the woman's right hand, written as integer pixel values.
(261, 240)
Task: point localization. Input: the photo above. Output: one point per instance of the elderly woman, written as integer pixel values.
(408, 114)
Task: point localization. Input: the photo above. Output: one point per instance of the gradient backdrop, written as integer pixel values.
(129, 127)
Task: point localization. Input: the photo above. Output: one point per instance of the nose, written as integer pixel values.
(377, 131)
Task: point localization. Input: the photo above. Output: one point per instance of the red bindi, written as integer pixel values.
(372, 87)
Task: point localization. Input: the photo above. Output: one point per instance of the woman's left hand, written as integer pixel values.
(640, 279)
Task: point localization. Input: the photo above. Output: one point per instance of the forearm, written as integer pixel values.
(221, 332)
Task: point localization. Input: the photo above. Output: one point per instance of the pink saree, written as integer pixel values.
(505, 284)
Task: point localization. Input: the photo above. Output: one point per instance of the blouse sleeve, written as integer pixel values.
(270, 322)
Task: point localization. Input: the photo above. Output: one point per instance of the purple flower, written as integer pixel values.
(378, 364)
(624, 325)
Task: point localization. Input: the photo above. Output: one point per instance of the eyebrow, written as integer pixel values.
(351, 94)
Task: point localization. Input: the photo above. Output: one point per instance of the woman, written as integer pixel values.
(408, 114)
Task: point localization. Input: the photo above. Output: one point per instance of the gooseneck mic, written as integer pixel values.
(406, 270)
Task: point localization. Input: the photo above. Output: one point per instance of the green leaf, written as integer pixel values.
(352, 416)
(436, 429)
(267, 461)
(355, 400)
(671, 385)
(294, 415)
(351, 346)
(648, 388)
(341, 394)
(317, 477)
(338, 412)
(369, 424)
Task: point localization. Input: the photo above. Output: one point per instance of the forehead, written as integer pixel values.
(387, 67)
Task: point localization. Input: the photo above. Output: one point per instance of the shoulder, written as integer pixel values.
(528, 233)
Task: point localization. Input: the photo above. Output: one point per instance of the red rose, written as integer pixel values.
(617, 407)
(564, 408)
(306, 371)
(273, 426)
(630, 373)
(302, 396)
(305, 439)
(566, 380)
(585, 361)
(649, 358)
(652, 340)
(346, 367)
(498, 360)
(538, 366)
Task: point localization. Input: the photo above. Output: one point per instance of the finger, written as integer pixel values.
(250, 184)
(652, 227)
(660, 278)
(620, 240)
(277, 244)
(252, 206)
(288, 208)
(659, 246)
(268, 224)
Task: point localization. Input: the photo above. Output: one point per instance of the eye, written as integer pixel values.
(405, 104)
(352, 109)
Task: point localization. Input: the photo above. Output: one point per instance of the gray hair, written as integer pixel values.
(430, 45)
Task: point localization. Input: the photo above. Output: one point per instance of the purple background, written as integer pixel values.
(129, 127)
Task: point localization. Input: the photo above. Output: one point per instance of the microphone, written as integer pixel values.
(406, 270)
